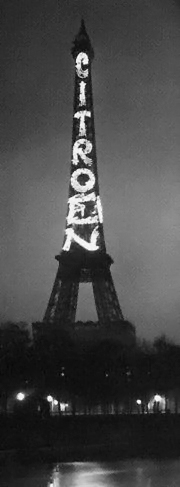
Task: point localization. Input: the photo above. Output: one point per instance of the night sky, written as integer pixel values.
(136, 88)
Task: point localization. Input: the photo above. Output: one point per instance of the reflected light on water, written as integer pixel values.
(85, 474)
(128, 473)
(55, 478)
(123, 473)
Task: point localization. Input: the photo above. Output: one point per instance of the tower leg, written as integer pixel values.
(107, 304)
(63, 302)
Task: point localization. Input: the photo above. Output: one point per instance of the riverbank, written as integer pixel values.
(90, 438)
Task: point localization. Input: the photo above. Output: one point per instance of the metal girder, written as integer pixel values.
(63, 301)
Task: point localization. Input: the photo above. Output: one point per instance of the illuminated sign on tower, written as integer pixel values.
(83, 258)
(84, 205)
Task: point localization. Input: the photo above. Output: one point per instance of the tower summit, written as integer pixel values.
(83, 257)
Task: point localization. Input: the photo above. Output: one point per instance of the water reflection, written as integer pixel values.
(137, 473)
(86, 474)
(140, 473)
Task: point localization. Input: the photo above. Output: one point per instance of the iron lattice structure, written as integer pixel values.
(83, 257)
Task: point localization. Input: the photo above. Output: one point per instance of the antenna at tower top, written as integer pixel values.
(82, 42)
(82, 28)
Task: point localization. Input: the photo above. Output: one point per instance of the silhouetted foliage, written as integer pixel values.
(14, 358)
(102, 373)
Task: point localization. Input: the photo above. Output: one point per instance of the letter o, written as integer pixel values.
(82, 188)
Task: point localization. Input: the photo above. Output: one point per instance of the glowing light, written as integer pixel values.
(81, 148)
(49, 398)
(81, 115)
(139, 402)
(71, 235)
(55, 478)
(83, 179)
(82, 60)
(158, 398)
(82, 93)
(20, 396)
(157, 403)
(89, 220)
(82, 188)
(82, 198)
(77, 206)
(55, 402)
(100, 210)
(63, 406)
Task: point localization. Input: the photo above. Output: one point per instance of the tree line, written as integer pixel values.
(103, 373)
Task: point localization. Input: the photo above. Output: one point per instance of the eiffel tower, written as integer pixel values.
(83, 257)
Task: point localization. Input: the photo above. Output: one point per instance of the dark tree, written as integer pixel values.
(14, 359)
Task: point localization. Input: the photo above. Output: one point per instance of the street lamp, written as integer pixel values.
(20, 396)
(157, 398)
(139, 402)
(49, 398)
